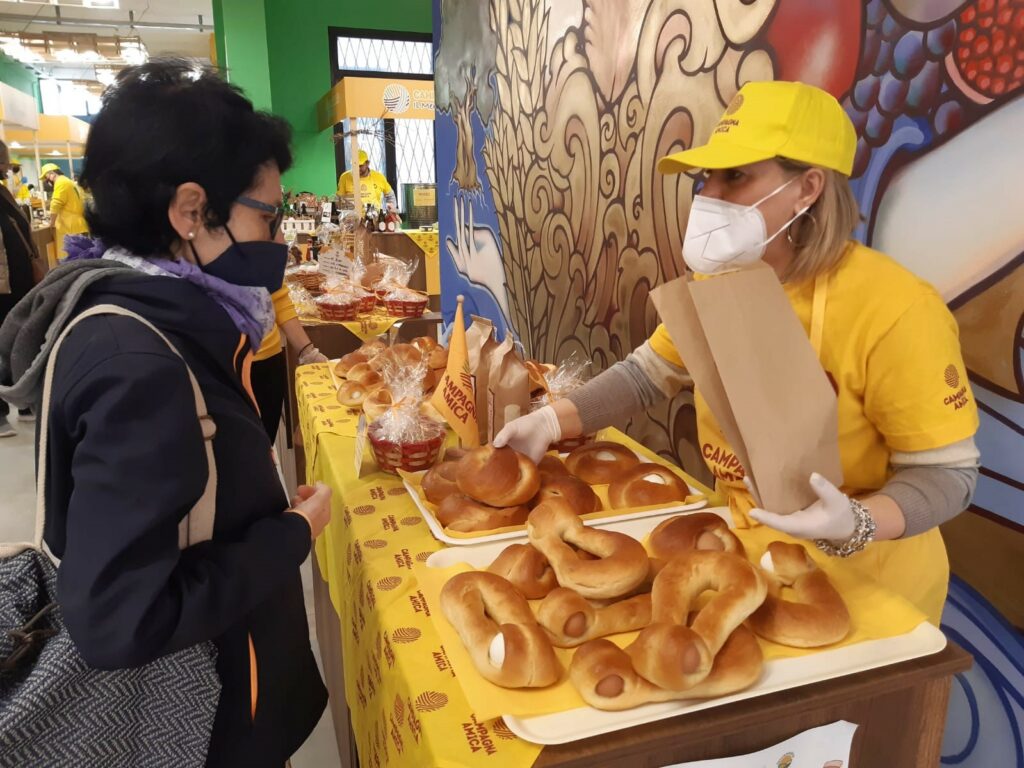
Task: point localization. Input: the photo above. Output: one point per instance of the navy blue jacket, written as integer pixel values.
(127, 463)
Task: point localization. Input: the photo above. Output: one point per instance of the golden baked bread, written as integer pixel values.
(498, 630)
(425, 344)
(812, 614)
(346, 363)
(605, 677)
(601, 462)
(363, 374)
(377, 402)
(573, 491)
(351, 394)
(461, 513)
(437, 359)
(499, 477)
(675, 656)
(570, 620)
(439, 482)
(698, 530)
(621, 562)
(372, 348)
(553, 466)
(647, 485)
(526, 569)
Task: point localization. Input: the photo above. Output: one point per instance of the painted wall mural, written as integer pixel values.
(552, 114)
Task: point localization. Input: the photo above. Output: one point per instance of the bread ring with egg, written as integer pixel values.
(526, 569)
(676, 656)
(647, 485)
(601, 462)
(351, 394)
(571, 490)
(461, 513)
(437, 358)
(811, 614)
(346, 363)
(570, 620)
(621, 565)
(605, 677)
(425, 344)
(498, 630)
(439, 482)
(552, 466)
(363, 374)
(498, 477)
(377, 403)
(699, 530)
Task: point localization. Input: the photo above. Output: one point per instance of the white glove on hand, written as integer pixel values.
(532, 434)
(312, 355)
(830, 517)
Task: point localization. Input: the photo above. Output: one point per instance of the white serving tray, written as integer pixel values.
(441, 535)
(778, 674)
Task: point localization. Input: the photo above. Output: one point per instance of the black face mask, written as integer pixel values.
(260, 263)
(48, 187)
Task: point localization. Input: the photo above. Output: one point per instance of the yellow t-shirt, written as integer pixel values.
(372, 188)
(891, 348)
(67, 205)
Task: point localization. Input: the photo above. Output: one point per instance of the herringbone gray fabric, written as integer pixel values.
(56, 712)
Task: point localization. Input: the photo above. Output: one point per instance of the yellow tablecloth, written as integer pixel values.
(367, 327)
(407, 707)
(429, 243)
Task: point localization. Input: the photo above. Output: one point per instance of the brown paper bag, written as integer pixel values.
(754, 365)
(480, 344)
(508, 388)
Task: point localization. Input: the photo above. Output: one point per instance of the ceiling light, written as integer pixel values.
(55, 153)
(106, 76)
(16, 145)
(112, 5)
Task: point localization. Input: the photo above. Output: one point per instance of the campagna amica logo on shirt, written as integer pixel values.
(396, 98)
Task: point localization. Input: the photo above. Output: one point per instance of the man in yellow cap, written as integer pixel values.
(775, 188)
(373, 185)
(67, 206)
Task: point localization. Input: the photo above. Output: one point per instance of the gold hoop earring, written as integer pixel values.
(789, 229)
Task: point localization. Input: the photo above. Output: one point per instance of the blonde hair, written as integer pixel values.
(822, 236)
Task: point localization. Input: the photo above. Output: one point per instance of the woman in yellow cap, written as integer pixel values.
(374, 187)
(776, 188)
(67, 206)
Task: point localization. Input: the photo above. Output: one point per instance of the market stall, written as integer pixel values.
(399, 682)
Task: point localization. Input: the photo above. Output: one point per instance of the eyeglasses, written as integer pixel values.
(277, 210)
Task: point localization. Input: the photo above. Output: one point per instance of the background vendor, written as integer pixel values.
(67, 206)
(776, 188)
(374, 187)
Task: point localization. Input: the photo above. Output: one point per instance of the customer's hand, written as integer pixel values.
(314, 504)
(532, 434)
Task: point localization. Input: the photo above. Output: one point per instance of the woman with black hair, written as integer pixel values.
(185, 180)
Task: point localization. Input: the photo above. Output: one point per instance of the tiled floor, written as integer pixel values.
(17, 508)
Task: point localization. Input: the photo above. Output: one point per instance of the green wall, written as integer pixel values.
(17, 75)
(296, 48)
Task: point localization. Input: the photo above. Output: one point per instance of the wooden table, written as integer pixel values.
(901, 711)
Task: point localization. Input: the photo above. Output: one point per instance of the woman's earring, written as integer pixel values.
(191, 235)
(789, 229)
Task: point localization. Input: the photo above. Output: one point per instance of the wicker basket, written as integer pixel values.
(406, 307)
(337, 309)
(409, 457)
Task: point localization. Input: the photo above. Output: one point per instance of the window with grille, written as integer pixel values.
(403, 150)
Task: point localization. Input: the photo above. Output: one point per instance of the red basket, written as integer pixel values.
(406, 307)
(571, 444)
(337, 310)
(367, 303)
(409, 457)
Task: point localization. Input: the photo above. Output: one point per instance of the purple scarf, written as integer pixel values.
(250, 308)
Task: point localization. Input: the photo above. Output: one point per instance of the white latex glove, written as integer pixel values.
(312, 355)
(830, 517)
(532, 434)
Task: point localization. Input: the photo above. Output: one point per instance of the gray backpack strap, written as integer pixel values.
(198, 524)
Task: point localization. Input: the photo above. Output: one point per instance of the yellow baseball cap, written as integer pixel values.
(47, 168)
(363, 157)
(775, 119)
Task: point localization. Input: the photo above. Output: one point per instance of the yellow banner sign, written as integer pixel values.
(376, 97)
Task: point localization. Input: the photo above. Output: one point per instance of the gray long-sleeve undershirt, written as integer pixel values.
(930, 487)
